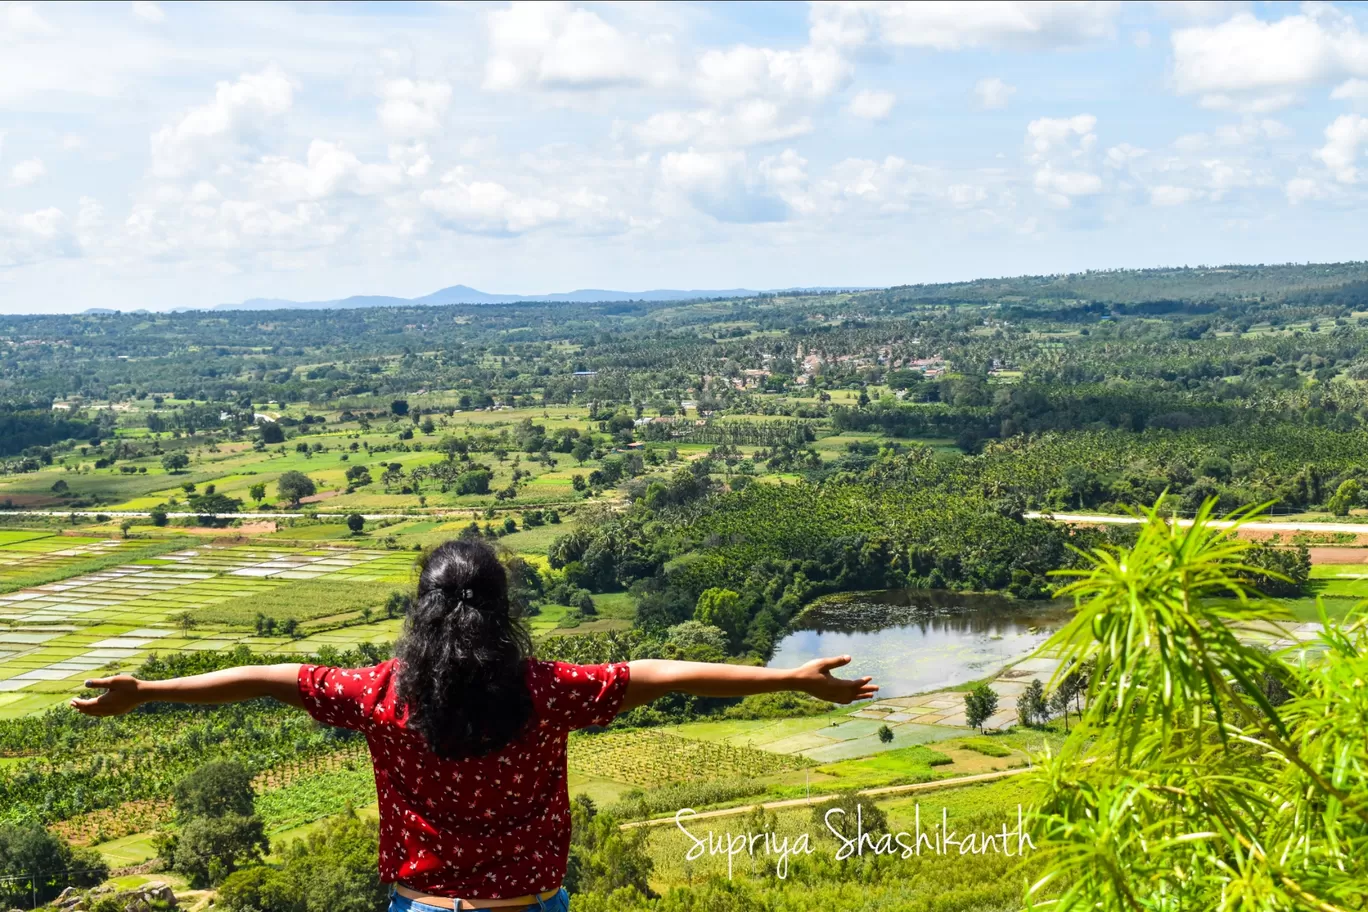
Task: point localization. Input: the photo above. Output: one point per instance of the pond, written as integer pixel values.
(917, 640)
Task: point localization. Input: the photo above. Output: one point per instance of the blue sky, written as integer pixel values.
(158, 154)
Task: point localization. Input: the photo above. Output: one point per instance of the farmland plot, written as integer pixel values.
(55, 635)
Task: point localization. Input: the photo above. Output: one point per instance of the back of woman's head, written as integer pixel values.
(461, 658)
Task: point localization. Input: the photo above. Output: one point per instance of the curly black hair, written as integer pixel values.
(462, 654)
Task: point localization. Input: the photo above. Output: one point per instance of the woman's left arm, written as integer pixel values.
(123, 693)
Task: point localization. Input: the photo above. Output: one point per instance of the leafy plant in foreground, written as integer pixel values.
(1183, 785)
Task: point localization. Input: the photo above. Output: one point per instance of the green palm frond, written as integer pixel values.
(1184, 786)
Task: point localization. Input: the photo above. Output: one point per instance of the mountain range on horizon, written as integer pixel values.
(464, 294)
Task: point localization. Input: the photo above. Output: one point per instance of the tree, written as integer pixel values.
(722, 608)
(175, 463)
(208, 849)
(582, 449)
(29, 849)
(184, 620)
(294, 487)
(1180, 750)
(979, 706)
(475, 481)
(603, 856)
(1278, 572)
(356, 523)
(358, 476)
(577, 482)
(158, 517)
(1059, 703)
(213, 790)
(398, 604)
(219, 829)
(849, 815)
(289, 626)
(257, 492)
(211, 505)
(696, 642)
(333, 868)
(1345, 498)
(272, 433)
(399, 407)
(885, 734)
(1031, 708)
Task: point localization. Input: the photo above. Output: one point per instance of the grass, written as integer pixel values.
(894, 767)
(985, 746)
(650, 758)
(536, 540)
(303, 600)
(52, 573)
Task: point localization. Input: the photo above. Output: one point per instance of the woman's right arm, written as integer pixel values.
(123, 693)
(651, 678)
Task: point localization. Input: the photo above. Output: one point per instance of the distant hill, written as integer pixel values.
(464, 294)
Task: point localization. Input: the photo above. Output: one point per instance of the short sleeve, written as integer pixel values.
(582, 695)
(341, 697)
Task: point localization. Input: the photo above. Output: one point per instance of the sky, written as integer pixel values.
(158, 155)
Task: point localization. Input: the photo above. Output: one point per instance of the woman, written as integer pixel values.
(467, 733)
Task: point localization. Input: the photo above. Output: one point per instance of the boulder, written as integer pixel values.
(140, 899)
(158, 890)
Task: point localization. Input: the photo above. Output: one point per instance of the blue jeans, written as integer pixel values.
(558, 903)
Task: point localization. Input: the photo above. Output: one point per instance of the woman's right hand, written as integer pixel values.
(120, 696)
(815, 678)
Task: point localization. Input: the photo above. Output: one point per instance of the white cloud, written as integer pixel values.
(1049, 135)
(330, 169)
(1249, 131)
(32, 237)
(21, 20)
(1188, 11)
(1351, 90)
(1343, 139)
(27, 172)
(1302, 189)
(721, 185)
(748, 123)
(555, 45)
(869, 105)
(237, 108)
(1251, 64)
(1062, 149)
(487, 207)
(1169, 195)
(147, 10)
(1060, 186)
(966, 196)
(1248, 104)
(410, 108)
(1122, 155)
(1141, 39)
(949, 26)
(993, 93)
(891, 186)
(743, 72)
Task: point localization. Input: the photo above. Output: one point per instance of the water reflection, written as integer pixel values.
(917, 640)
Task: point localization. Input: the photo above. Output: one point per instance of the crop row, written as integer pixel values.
(651, 758)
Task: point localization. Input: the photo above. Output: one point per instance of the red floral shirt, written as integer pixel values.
(488, 827)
